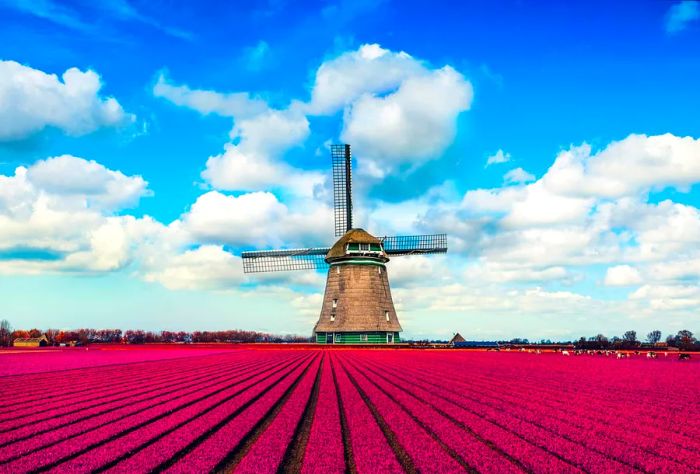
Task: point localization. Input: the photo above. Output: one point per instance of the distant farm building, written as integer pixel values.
(31, 342)
(457, 338)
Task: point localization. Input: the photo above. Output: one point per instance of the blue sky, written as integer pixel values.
(557, 145)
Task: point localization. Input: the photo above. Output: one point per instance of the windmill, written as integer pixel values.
(357, 305)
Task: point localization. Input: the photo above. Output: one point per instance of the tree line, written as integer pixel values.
(85, 336)
(684, 340)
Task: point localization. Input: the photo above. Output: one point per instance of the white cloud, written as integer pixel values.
(369, 70)
(237, 104)
(681, 14)
(668, 297)
(207, 267)
(237, 170)
(588, 209)
(257, 220)
(63, 207)
(260, 136)
(636, 164)
(89, 181)
(622, 275)
(518, 176)
(272, 131)
(412, 125)
(499, 157)
(31, 100)
(397, 109)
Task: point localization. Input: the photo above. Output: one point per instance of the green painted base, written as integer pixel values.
(357, 337)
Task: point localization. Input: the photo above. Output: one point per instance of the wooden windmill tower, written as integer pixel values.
(357, 305)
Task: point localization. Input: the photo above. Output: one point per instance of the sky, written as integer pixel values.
(145, 145)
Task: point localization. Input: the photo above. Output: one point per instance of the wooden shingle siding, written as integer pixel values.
(363, 298)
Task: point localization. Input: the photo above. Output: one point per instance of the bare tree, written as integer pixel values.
(630, 338)
(654, 336)
(5, 333)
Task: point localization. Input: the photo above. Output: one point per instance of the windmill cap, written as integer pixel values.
(353, 236)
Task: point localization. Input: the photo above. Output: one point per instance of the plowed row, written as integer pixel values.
(316, 411)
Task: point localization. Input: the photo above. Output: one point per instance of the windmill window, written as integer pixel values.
(386, 315)
(332, 317)
(363, 337)
(335, 304)
(379, 270)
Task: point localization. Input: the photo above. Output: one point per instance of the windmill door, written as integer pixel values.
(390, 338)
(329, 338)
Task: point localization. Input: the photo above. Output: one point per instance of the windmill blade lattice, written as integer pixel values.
(415, 244)
(342, 188)
(284, 260)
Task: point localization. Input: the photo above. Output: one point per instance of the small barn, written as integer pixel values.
(456, 338)
(31, 342)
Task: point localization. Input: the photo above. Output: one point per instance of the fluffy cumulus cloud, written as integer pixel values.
(206, 267)
(59, 214)
(370, 69)
(256, 220)
(414, 124)
(260, 137)
(637, 164)
(89, 182)
(397, 109)
(31, 100)
(622, 275)
(589, 209)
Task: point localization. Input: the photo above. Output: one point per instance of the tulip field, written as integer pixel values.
(336, 410)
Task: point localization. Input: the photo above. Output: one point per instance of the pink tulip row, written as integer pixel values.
(51, 360)
(108, 393)
(78, 437)
(532, 456)
(83, 382)
(651, 452)
(66, 427)
(542, 422)
(370, 449)
(160, 440)
(574, 408)
(325, 452)
(215, 449)
(379, 411)
(649, 379)
(267, 452)
(468, 444)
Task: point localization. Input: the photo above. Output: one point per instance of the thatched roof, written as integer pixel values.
(353, 236)
(457, 338)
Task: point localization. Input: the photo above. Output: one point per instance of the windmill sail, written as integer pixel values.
(342, 188)
(415, 244)
(283, 260)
